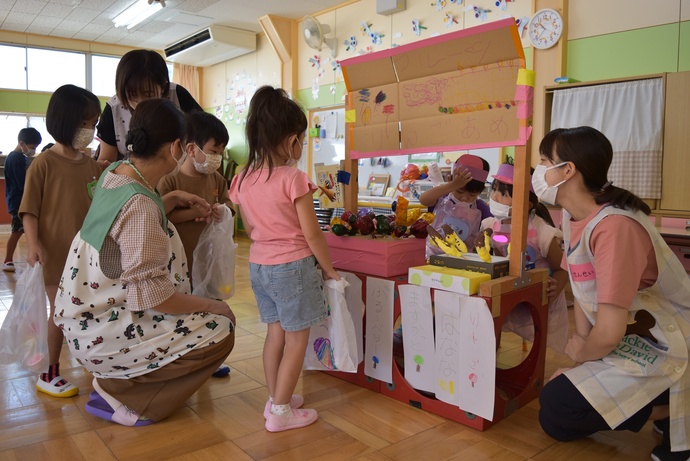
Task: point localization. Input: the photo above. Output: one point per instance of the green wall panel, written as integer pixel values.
(28, 101)
(684, 47)
(637, 52)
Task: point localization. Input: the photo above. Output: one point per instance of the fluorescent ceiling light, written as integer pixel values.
(136, 13)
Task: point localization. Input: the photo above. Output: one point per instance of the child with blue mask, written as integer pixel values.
(543, 251)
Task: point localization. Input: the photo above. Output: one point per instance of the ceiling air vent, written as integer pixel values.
(211, 46)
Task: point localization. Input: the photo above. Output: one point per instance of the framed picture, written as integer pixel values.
(423, 158)
(378, 184)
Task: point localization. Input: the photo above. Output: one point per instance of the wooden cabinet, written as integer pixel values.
(675, 188)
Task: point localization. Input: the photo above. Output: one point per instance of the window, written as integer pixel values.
(49, 69)
(103, 75)
(13, 75)
(37, 69)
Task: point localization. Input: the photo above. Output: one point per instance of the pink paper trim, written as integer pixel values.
(524, 109)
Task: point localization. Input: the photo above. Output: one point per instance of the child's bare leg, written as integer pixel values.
(55, 335)
(290, 365)
(273, 354)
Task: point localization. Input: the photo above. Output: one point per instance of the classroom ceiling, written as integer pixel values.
(91, 20)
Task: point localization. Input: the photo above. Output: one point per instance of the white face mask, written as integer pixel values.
(499, 210)
(83, 137)
(546, 193)
(179, 162)
(211, 163)
(30, 152)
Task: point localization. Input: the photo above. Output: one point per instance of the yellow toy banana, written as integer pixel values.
(484, 251)
(453, 239)
(437, 240)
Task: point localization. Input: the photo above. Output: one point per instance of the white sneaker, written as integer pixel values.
(8, 266)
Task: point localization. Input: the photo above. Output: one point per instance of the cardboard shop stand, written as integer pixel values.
(464, 90)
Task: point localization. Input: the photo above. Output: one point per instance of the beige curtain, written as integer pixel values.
(188, 77)
(631, 115)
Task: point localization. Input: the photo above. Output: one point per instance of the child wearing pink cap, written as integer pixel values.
(544, 250)
(457, 203)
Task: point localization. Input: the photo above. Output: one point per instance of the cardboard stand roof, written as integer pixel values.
(450, 92)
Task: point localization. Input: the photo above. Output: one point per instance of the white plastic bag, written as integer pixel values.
(213, 272)
(24, 334)
(333, 343)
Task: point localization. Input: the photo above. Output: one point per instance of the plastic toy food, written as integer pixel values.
(413, 215)
(419, 229)
(365, 225)
(339, 229)
(383, 226)
(447, 244)
(483, 251)
(454, 239)
(399, 231)
(401, 211)
(349, 217)
(428, 217)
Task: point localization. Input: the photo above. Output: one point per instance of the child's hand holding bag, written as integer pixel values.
(213, 272)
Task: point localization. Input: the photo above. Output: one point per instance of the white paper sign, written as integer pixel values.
(418, 336)
(355, 304)
(378, 360)
(447, 307)
(477, 377)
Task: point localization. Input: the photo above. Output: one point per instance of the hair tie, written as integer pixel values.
(130, 147)
(606, 185)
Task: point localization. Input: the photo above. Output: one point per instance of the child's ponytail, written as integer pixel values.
(271, 119)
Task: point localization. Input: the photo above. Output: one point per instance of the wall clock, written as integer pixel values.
(545, 28)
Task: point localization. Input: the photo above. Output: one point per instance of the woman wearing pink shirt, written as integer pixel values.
(632, 304)
(287, 242)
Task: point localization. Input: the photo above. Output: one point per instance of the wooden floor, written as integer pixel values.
(224, 421)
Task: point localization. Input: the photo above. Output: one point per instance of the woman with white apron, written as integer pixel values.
(632, 304)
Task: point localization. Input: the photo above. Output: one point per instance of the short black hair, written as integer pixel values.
(29, 136)
(69, 106)
(139, 71)
(202, 126)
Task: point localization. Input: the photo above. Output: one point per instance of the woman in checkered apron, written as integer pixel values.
(632, 304)
(123, 300)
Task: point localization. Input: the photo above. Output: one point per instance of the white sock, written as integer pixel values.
(280, 410)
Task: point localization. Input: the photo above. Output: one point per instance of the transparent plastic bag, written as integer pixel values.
(213, 272)
(333, 342)
(24, 333)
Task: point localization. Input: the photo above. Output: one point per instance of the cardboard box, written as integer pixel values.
(382, 256)
(444, 278)
(498, 267)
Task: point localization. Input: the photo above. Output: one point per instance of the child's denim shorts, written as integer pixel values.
(290, 293)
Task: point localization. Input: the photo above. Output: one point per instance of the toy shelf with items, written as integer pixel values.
(397, 106)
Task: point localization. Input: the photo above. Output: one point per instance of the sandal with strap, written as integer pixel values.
(123, 415)
(66, 390)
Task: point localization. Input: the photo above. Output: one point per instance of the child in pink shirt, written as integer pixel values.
(278, 214)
